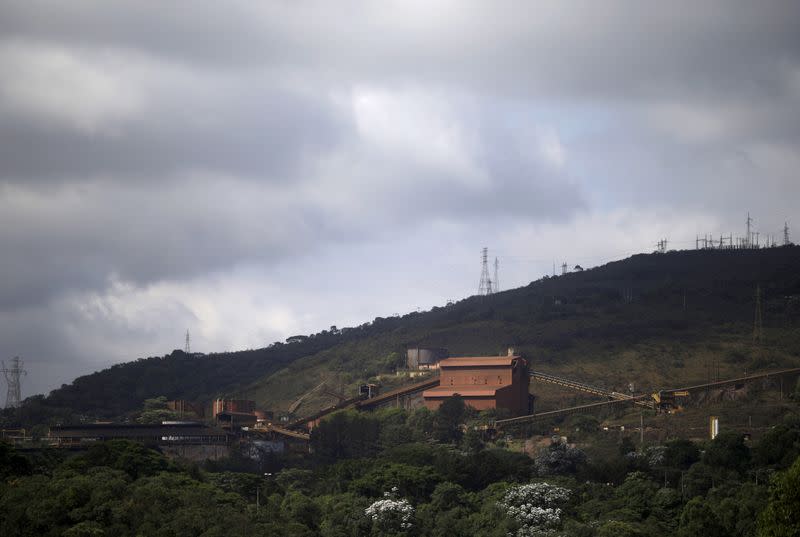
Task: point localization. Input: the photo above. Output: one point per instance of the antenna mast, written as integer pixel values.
(13, 374)
(749, 238)
(496, 277)
(485, 286)
(188, 347)
(786, 241)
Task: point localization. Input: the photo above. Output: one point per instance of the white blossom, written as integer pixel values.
(534, 507)
(391, 513)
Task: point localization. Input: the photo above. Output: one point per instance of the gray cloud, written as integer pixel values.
(163, 163)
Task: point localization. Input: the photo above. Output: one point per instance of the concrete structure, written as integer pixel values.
(483, 382)
(418, 358)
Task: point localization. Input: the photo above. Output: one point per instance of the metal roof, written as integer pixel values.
(133, 430)
(479, 361)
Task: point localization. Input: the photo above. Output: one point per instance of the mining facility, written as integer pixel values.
(499, 383)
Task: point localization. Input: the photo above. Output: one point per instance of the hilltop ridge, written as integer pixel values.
(650, 318)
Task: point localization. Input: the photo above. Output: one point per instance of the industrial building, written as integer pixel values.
(484, 382)
(239, 406)
(233, 413)
(167, 433)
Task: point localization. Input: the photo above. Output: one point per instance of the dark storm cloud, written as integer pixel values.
(610, 49)
(266, 135)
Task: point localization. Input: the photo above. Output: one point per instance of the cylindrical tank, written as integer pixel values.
(425, 357)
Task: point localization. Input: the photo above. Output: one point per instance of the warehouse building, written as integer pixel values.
(484, 382)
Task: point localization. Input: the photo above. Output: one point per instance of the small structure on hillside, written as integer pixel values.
(484, 382)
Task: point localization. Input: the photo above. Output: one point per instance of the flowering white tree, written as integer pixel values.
(534, 507)
(558, 459)
(391, 515)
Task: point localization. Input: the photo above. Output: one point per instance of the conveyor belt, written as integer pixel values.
(399, 392)
(586, 388)
(638, 400)
(362, 403)
(571, 410)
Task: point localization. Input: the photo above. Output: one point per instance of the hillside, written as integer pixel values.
(582, 326)
(656, 320)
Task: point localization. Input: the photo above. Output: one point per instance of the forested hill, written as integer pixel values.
(657, 314)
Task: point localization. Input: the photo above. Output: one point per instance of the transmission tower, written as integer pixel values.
(786, 241)
(496, 276)
(13, 374)
(563, 268)
(749, 238)
(758, 327)
(188, 347)
(485, 287)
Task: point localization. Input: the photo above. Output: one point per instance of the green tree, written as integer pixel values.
(681, 454)
(448, 419)
(617, 528)
(12, 463)
(130, 457)
(781, 518)
(728, 451)
(779, 447)
(346, 434)
(155, 411)
(472, 441)
(698, 520)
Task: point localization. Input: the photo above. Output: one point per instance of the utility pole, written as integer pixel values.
(13, 374)
(758, 328)
(485, 286)
(641, 430)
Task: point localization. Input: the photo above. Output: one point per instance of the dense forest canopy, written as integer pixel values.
(415, 473)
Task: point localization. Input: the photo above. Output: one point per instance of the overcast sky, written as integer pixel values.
(254, 170)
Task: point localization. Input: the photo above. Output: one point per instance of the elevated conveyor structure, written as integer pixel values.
(363, 403)
(645, 400)
(737, 381)
(522, 420)
(586, 388)
(398, 393)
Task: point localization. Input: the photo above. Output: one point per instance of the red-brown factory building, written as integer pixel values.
(483, 382)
